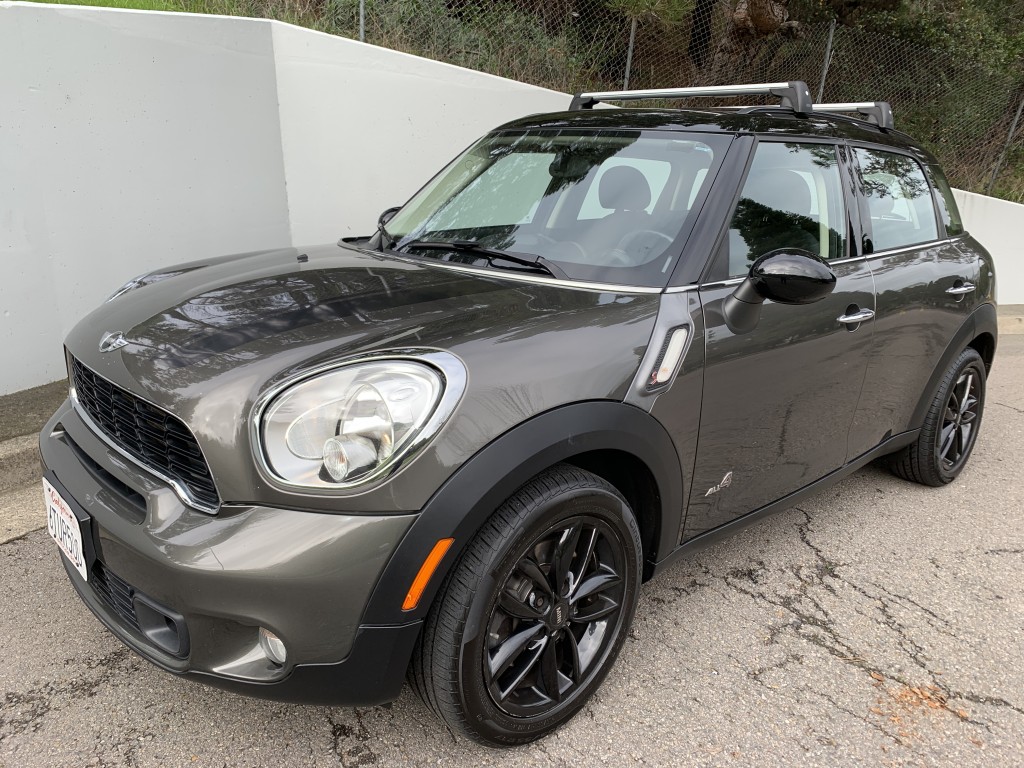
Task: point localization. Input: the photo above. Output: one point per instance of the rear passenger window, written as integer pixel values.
(792, 198)
(899, 200)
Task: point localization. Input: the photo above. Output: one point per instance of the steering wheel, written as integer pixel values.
(620, 255)
(559, 247)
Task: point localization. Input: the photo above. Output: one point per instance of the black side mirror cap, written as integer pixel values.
(785, 276)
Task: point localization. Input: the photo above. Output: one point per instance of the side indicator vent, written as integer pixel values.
(671, 354)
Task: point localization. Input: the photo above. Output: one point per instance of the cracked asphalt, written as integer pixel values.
(880, 623)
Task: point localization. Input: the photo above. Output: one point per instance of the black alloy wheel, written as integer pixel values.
(962, 410)
(555, 616)
(532, 616)
(950, 427)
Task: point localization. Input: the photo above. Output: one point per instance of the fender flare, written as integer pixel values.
(981, 320)
(460, 507)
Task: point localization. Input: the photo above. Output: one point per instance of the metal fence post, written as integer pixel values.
(827, 61)
(362, 21)
(629, 54)
(1006, 149)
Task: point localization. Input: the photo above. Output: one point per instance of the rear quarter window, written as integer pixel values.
(948, 211)
(899, 199)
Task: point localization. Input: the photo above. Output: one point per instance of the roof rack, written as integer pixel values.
(794, 94)
(878, 112)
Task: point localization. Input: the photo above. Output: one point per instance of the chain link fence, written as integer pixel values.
(967, 114)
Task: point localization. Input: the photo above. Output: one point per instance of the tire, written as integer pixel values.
(950, 427)
(495, 659)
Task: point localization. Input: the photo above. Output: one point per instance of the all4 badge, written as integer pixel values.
(726, 482)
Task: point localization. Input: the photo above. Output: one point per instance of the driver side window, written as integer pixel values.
(792, 198)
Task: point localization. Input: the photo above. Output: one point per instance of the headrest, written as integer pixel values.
(624, 188)
(780, 189)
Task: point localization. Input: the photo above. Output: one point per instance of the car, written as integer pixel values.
(451, 452)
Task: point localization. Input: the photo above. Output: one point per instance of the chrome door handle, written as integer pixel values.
(857, 317)
(961, 289)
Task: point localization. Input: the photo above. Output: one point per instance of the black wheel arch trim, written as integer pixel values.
(468, 498)
(981, 320)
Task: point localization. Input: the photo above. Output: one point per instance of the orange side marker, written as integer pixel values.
(419, 584)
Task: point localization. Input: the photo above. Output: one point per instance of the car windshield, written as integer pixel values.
(610, 207)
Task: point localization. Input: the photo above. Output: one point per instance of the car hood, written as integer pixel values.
(206, 341)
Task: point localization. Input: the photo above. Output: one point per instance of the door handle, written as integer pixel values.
(856, 317)
(959, 290)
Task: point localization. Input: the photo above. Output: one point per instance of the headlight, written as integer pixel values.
(354, 423)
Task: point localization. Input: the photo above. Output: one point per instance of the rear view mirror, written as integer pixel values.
(785, 276)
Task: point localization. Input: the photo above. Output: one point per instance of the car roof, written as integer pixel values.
(774, 121)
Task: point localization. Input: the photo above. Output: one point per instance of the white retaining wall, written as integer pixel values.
(131, 140)
(999, 226)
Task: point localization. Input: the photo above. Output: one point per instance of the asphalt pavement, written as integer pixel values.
(880, 623)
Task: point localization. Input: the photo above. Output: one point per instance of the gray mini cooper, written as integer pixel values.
(595, 342)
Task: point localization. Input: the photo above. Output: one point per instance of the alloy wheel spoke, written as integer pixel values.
(948, 437)
(509, 651)
(564, 551)
(965, 438)
(569, 643)
(595, 584)
(587, 545)
(526, 669)
(605, 606)
(529, 568)
(549, 672)
(966, 391)
(968, 417)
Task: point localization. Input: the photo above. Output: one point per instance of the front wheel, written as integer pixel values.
(530, 620)
(950, 426)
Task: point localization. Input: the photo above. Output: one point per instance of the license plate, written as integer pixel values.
(64, 528)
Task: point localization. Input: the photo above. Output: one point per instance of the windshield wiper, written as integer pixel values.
(386, 240)
(490, 255)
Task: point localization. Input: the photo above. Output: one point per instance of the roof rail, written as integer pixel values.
(878, 112)
(794, 94)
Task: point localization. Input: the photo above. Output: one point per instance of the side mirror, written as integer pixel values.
(785, 276)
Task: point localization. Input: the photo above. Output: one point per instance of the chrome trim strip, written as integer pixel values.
(915, 247)
(484, 272)
(180, 490)
(724, 283)
(682, 288)
(452, 370)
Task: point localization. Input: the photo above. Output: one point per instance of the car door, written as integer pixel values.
(778, 400)
(923, 283)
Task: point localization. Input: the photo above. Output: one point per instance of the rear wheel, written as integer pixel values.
(530, 620)
(950, 427)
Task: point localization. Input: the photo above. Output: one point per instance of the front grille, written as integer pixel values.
(116, 593)
(154, 437)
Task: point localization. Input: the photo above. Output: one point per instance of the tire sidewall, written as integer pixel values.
(495, 724)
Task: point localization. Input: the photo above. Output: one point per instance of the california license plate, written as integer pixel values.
(64, 528)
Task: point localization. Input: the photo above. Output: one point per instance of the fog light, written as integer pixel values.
(272, 646)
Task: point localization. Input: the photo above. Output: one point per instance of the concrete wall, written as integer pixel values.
(999, 226)
(131, 140)
(364, 127)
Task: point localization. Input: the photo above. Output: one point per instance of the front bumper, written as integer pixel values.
(305, 576)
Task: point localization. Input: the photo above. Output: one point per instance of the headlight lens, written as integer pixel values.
(349, 425)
